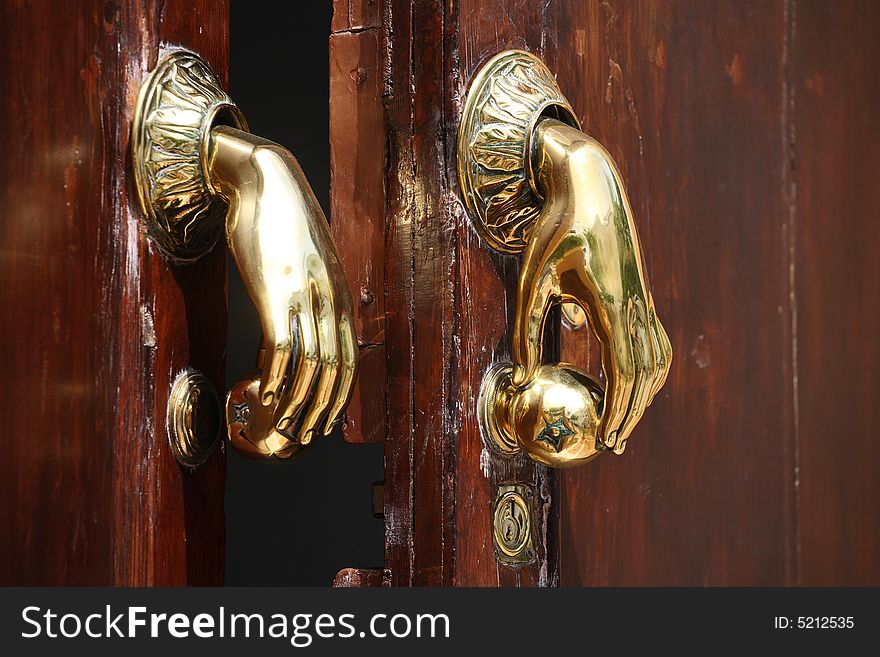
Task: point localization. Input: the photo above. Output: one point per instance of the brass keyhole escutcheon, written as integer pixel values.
(512, 522)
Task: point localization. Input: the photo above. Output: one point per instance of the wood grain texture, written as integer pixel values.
(419, 259)
(96, 324)
(749, 156)
(445, 314)
(835, 227)
(353, 578)
(743, 132)
(689, 99)
(354, 15)
(357, 212)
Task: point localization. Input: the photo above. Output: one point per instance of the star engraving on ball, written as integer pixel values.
(554, 433)
(241, 413)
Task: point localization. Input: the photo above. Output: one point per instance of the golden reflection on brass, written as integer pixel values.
(193, 418)
(554, 419)
(512, 525)
(573, 316)
(178, 104)
(281, 243)
(509, 94)
(582, 249)
(196, 170)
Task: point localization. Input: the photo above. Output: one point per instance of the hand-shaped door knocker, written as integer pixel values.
(534, 183)
(197, 170)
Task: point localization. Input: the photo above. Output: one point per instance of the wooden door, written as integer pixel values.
(95, 323)
(744, 133)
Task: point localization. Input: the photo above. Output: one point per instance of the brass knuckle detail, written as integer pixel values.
(197, 170)
(581, 249)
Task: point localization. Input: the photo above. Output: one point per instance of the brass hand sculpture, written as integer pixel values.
(281, 243)
(584, 250)
(534, 183)
(197, 172)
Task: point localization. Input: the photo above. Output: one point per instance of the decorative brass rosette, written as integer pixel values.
(178, 104)
(511, 92)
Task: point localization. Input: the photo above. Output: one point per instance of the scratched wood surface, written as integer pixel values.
(395, 81)
(95, 324)
(445, 312)
(743, 132)
(419, 272)
(357, 203)
(444, 305)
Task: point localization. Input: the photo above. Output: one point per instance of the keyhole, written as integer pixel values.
(511, 526)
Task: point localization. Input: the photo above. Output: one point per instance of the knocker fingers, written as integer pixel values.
(348, 356)
(328, 378)
(302, 378)
(619, 366)
(664, 354)
(277, 346)
(644, 356)
(534, 298)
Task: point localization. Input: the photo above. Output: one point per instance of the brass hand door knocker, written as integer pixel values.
(533, 183)
(198, 173)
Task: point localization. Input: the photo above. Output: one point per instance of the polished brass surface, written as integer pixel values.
(582, 250)
(555, 418)
(573, 316)
(178, 104)
(193, 418)
(508, 96)
(280, 241)
(512, 525)
(585, 250)
(196, 171)
(493, 406)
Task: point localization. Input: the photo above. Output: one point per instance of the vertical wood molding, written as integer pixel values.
(447, 299)
(357, 206)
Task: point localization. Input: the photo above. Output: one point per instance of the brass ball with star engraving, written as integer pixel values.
(557, 416)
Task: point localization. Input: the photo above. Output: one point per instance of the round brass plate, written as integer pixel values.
(495, 392)
(177, 106)
(506, 98)
(193, 418)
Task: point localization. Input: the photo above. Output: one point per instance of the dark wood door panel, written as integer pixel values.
(690, 100)
(444, 292)
(95, 324)
(747, 140)
(742, 130)
(835, 223)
